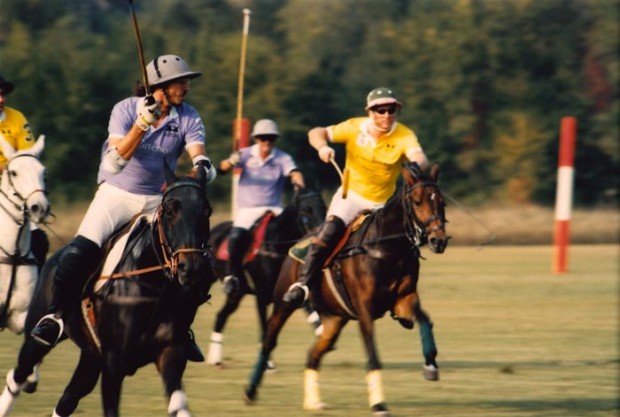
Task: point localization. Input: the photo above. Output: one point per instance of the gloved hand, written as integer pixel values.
(326, 153)
(206, 163)
(148, 112)
(234, 158)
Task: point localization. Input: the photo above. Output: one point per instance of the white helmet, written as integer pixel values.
(168, 68)
(265, 127)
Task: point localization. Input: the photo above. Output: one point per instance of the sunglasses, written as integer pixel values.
(389, 110)
(266, 138)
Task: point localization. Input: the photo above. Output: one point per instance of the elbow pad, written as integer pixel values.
(113, 162)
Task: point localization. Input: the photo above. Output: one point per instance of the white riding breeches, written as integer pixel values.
(348, 208)
(246, 217)
(111, 208)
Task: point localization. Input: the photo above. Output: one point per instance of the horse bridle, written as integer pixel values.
(23, 200)
(170, 260)
(416, 231)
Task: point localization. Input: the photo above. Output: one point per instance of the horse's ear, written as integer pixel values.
(6, 147)
(434, 172)
(38, 146)
(171, 178)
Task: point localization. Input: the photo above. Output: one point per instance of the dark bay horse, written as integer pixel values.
(143, 309)
(304, 213)
(374, 273)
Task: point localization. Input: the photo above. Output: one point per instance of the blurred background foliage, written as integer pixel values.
(484, 82)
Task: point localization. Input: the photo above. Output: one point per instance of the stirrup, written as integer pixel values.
(58, 321)
(305, 289)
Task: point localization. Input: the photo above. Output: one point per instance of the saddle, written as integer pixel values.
(299, 250)
(257, 233)
(113, 252)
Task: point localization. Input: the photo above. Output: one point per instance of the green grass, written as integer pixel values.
(514, 340)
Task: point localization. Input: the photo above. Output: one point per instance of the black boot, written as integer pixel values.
(322, 246)
(238, 242)
(75, 264)
(39, 246)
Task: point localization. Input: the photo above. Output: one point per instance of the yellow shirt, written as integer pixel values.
(374, 166)
(16, 130)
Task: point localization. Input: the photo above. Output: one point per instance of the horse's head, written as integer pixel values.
(23, 180)
(183, 225)
(425, 219)
(311, 209)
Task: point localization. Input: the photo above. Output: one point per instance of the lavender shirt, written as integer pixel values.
(262, 182)
(145, 174)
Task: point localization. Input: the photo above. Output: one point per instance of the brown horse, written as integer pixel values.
(375, 272)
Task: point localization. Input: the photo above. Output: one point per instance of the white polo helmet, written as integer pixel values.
(166, 68)
(265, 127)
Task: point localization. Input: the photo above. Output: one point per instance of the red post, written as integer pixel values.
(564, 193)
(241, 139)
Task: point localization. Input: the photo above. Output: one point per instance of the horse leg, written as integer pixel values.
(30, 355)
(282, 311)
(82, 383)
(332, 327)
(374, 383)
(429, 348)
(111, 384)
(214, 357)
(171, 366)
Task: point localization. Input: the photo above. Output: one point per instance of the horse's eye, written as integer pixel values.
(13, 173)
(417, 203)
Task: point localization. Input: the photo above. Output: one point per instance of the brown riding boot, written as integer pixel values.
(322, 246)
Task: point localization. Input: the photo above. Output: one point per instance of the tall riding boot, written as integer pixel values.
(39, 245)
(75, 265)
(238, 242)
(322, 246)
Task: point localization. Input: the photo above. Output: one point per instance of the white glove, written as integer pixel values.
(203, 161)
(148, 113)
(326, 153)
(234, 158)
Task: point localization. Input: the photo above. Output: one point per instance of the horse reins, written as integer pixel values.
(169, 260)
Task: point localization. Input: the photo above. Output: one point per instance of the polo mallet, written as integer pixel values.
(240, 137)
(344, 177)
(145, 78)
(244, 48)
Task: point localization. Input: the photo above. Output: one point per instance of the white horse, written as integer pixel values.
(23, 201)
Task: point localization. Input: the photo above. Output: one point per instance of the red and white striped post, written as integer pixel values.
(564, 193)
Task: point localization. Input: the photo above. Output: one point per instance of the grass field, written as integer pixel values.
(514, 341)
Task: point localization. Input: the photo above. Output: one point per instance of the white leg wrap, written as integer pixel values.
(312, 395)
(9, 394)
(55, 414)
(178, 402)
(375, 387)
(313, 318)
(215, 349)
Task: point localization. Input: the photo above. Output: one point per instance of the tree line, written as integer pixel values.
(484, 83)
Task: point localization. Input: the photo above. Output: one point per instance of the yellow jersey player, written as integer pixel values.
(376, 147)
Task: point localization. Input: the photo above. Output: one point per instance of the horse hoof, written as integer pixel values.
(250, 396)
(315, 406)
(30, 387)
(430, 372)
(380, 410)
